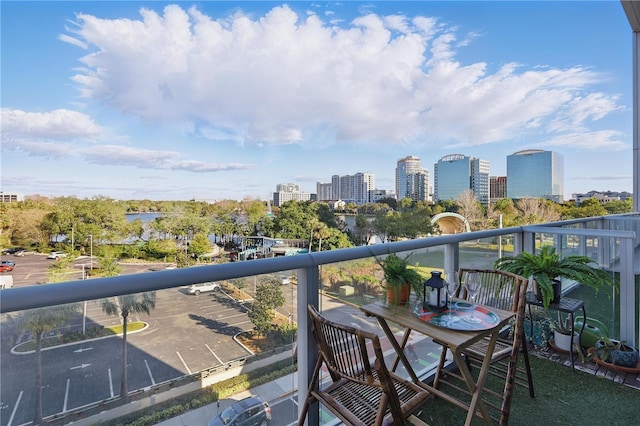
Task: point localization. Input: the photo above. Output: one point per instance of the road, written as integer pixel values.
(186, 334)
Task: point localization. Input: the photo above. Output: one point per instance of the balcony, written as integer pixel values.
(190, 340)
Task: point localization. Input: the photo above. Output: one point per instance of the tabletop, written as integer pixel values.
(454, 339)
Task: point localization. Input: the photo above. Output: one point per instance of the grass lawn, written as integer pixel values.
(562, 398)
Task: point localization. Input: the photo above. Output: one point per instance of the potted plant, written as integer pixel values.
(399, 278)
(562, 329)
(548, 267)
(611, 352)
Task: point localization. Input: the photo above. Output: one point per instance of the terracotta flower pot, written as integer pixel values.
(399, 295)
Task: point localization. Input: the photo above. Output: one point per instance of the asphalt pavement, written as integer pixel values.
(423, 355)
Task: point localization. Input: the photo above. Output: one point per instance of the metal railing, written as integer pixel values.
(612, 241)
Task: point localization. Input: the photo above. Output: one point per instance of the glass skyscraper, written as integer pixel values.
(457, 173)
(535, 173)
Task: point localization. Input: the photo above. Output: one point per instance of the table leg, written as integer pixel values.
(475, 388)
(399, 348)
(573, 331)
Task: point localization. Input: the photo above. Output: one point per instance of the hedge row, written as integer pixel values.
(211, 394)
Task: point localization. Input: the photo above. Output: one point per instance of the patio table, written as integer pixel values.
(454, 340)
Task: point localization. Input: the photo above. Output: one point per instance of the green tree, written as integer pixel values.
(124, 306)
(619, 206)
(268, 297)
(109, 263)
(364, 229)
(200, 245)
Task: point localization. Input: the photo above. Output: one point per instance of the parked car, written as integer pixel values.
(203, 287)
(12, 250)
(7, 262)
(56, 255)
(251, 411)
(285, 280)
(6, 268)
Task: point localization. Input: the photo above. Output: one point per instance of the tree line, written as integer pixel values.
(182, 229)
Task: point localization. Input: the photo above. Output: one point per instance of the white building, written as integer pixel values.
(290, 192)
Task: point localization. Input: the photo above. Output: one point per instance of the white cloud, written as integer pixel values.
(58, 124)
(63, 133)
(289, 78)
(609, 140)
(152, 159)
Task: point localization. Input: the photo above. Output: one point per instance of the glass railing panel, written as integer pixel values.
(482, 253)
(187, 341)
(194, 338)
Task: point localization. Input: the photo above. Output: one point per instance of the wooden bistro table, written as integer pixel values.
(454, 340)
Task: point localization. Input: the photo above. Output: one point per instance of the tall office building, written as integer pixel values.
(412, 181)
(534, 173)
(455, 173)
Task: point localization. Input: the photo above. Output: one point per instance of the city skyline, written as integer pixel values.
(224, 100)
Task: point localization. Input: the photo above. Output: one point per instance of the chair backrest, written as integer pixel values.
(499, 289)
(345, 351)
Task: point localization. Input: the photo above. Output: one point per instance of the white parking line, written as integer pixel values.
(15, 408)
(153, 382)
(184, 363)
(214, 354)
(110, 383)
(66, 397)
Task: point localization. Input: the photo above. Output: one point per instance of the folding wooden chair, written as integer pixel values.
(507, 291)
(358, 394)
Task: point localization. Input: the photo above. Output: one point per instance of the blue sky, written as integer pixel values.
(225, 100)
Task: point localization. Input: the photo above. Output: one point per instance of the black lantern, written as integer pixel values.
(434, 294)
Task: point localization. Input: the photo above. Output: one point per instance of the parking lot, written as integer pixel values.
(186, 334)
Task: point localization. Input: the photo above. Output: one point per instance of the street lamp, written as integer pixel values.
(91, 254)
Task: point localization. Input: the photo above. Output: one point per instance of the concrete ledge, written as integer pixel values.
(346, 290)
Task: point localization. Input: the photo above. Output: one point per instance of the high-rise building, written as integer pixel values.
(350, 188)
(497, 188)
(456, 173)
(534, 173)
(418, 186)
(412, 181)
(323, 189)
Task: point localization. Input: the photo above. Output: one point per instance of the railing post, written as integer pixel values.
(308, 293)
(451, 257)
(627, 294)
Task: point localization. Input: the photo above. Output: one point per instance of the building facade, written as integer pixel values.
(323, 189)
(350, 188)
(290, 192)
(534, 173)
(456, 173)
(412, 181)
(497, 188)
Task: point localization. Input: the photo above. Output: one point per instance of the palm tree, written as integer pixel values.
(124, 306)
(39, 322)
